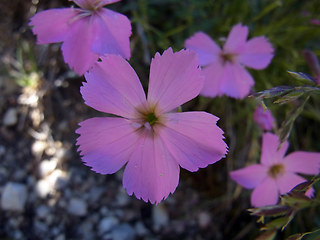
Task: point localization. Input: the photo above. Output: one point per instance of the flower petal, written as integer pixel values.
(249, 177)
(204, 46)
(175, 78)
(237, 81)
(270, 154)
(263, 118)
(193, 139)
(106, 2)
(266, 193)
(111, 31)
(288, 181)
(52, 25)
(85, 4)
(213, 74)
(151, 173)
(303, 162)
(106, 143)
(257, 54)
(113, 87)
(76, 48)
(236, 40)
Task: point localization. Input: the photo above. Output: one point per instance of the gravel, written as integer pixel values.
(14, 197)
(77, 207)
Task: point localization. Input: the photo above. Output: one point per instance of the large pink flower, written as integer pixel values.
(87, 32)
(224, 68)
(277, 173)
(147, 136)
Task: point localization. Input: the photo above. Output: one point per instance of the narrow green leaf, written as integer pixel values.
(268, 235)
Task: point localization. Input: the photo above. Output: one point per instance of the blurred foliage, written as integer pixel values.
(23, 69)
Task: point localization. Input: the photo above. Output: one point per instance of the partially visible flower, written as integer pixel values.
(277, 174)
(315, 21)
(263, 118)
(87, 32)
(224, 68)
(148, 136)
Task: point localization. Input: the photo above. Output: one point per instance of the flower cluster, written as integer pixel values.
(147, 136)
(277, 174)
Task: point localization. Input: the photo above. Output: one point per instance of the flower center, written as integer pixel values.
(151, 118)
(89, 6)
(276, 170)
(227, 57)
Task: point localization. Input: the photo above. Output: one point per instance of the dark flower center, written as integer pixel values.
(151, 118)
(227, 57)
(276, 170)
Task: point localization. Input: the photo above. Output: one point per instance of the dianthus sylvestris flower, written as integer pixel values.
(264, 118)
(277, 174)
(147, 136)
(87, 32)
(224, 69)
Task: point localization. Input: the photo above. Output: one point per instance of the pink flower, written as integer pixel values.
(263, 118)
(224, 68)
(315, 21)
(147, 136)
(87, 32)
(277, 173)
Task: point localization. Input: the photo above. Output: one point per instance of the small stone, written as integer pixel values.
(14, 197)
(123, 232)
(160, 217)
(43, 188)
(141, 229)
(86, 230)
(204, 220)
(2, 150)
(10, 117)
(60, 237)
(40, 228)
(106, 224)
(58, 179)
(95, 194)
(122, 198)
(42, 211)
(47, 166)
(38, 147)
(18, 235)
(104, 211)
(77, 207)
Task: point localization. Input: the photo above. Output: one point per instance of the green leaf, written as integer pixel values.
(270, 211)
(268, 235)
(297, 236)
(273, 92)
(288, 123)
(302, 77)
(291, 96)
(315, 235)
(276, 223)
